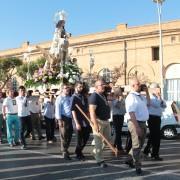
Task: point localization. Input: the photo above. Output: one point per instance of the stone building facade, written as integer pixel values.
(134, 50)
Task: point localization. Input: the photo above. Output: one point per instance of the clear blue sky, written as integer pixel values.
(32, 20)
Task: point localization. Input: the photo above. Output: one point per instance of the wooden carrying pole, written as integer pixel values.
(101, 135)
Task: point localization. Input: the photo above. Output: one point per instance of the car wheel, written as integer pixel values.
(169, 132)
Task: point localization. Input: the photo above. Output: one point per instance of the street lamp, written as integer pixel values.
(27, 58)
(159, 5)
(91, 65)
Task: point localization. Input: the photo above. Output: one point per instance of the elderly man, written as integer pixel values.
(137, 115)
(154, 123)
(64, 117)
(99, 113)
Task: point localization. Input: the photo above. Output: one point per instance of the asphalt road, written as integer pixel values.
(42, 161)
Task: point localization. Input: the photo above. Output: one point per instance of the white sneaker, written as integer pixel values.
(50, 142)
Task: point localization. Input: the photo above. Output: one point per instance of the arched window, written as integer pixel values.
(172, 85)
(106, 74)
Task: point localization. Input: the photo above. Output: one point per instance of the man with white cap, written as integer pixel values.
(154, 123)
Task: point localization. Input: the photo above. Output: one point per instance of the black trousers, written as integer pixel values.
(66, 133)
(82, 138)
(50, 126)
(118, 121)
(154, 124)
(25, 126)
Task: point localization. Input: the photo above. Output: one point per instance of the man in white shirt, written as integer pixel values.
(10, 113)
(137, 115)
(24, 115)
(35, 113)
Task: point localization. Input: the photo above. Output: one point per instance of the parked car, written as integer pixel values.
(170, 121)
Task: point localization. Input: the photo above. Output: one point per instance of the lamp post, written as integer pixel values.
(27, 58)
(91, 65)
(159, 5)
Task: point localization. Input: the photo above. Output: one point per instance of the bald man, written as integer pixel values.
(99, 113)
(137, 115)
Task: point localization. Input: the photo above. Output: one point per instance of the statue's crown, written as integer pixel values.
(60, 15)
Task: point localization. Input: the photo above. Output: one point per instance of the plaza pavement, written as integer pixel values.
(42, 161)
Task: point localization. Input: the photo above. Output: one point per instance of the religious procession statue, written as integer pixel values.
(59, 65)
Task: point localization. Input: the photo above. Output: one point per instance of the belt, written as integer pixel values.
(141, 121)
(34, 113)
(12, 113)
(137, 121)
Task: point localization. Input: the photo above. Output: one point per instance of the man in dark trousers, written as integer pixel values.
(63, 115)
(154, 123)
(82, 125)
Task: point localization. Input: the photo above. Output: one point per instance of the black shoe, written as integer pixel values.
(156, 158)
(138, 171)
(27, 136)
(66, 156)
(54, 139)
(102, 164)
(83, 157)
(130, 163)
(80, 157)
(42, 137)
(17, 143)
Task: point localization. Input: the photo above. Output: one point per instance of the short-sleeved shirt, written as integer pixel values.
(102, 107)
(34, 105)
(23, 106)
(137, 103)
(81, 101)
(11, 105)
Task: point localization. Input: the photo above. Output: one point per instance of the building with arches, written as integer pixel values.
(134, 51)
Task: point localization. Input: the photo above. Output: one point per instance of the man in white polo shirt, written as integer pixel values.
(10, 110)
(137, 115)
(24, 115)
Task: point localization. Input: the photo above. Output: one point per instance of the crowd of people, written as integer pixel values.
(21, 114)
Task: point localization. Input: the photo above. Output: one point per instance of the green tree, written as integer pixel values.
(33, 65)
(8, 69)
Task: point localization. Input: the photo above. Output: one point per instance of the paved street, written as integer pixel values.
(42, 161)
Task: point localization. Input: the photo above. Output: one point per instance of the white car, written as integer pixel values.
(170, 121)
